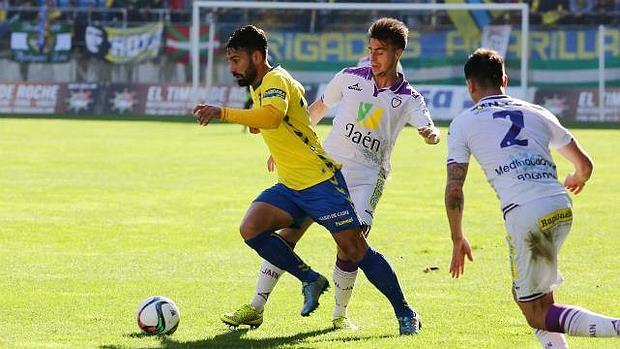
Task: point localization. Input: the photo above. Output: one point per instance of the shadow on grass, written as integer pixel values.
(235, 339)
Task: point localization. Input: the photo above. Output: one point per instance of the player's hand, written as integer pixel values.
(204, 113)
(460, 249)
(430, 134)
(271, 164)
(574, 183)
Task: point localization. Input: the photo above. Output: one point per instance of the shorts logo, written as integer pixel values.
(554, 218)
(367, 118)
(334, 215)
(274, 92)
(396, 102)
(346, 221)
(355, 87)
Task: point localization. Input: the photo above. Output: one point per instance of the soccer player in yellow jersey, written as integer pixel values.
(310, 185)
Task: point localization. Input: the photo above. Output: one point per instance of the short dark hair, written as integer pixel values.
(485, 67)
(249, 38)
(389, 30)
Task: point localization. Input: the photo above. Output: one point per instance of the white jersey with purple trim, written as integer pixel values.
(369, 119)
(510, 138)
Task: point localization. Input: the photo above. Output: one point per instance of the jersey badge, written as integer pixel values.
(396, 102)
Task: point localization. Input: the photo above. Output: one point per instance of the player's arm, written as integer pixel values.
(562, 140)
(454, 202)
(317, 111)
(264, 117)
(420, 117)
(331, 96)
(430, 134)
(583, 166)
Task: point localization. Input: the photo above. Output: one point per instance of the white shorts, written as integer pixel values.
(536, 231)
(365, 189)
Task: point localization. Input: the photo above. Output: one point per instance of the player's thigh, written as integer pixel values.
(273, 209)
(536, 232)
(293, 234)
(361, 195)
(365, 188)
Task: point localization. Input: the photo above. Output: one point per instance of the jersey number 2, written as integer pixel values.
(516, 117)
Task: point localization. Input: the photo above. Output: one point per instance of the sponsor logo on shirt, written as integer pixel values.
(355, 86)
(274, 92)
(367, 141)
(528, 167)
(368, 116)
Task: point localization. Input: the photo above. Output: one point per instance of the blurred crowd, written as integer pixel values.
(123, 12)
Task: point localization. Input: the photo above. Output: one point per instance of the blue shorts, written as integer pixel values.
(327, 203)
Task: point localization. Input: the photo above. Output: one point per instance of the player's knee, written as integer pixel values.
(248, 230)
(535, 320)
(355, 251)
(535, 313)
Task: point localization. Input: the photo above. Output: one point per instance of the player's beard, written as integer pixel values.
(248, 77)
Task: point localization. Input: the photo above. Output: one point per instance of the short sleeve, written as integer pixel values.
(560, 136)
(333, 92)
(275, 92)
(458, 150)
(417, 112)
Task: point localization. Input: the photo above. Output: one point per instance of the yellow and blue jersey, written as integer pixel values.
(300, 159)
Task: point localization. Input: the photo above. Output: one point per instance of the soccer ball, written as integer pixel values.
(158, 315)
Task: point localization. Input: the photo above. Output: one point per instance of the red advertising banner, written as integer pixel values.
(580, 104)
(31, 98)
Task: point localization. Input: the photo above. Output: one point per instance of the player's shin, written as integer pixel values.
(380, 273)
(274, 249)
(268, 277)
(345, 273)
(576, 321)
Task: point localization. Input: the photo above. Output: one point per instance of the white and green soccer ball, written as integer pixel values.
(158, 315)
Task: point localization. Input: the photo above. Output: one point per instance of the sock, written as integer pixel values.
(576, 321)
(380, 273)
(274, 249)
(345, 273)
(268, 277)
(551, 340)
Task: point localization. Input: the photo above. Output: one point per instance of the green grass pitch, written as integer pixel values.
(95, 216)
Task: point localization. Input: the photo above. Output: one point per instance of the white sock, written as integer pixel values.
(584, 323)
(268, 276)
(343, 288)
(551, 340)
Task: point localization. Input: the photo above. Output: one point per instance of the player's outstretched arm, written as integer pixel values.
(583, 164)
(265, 117)
(454, 201)
(204, 113)
(317, 111)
